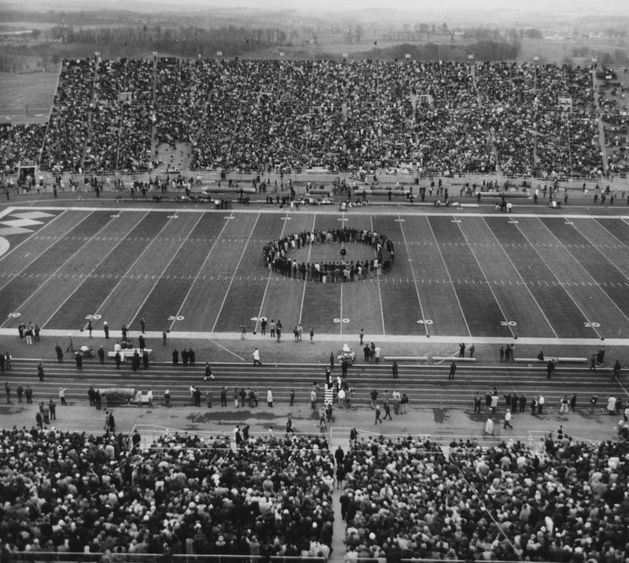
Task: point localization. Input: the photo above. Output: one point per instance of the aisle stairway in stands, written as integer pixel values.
(599, 120)
(490, 135)
(171, 158)
(338, 535)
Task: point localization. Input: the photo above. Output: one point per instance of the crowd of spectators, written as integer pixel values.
(435, 118)
(542, 117)
(277, 255)
(68, 127)
(73, 492)
(562, 501)
(20, 143)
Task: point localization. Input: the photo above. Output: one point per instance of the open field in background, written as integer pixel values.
(474, 275)
(33, 90)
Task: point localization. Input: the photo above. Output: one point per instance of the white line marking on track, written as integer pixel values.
(125, 275)
(378, 280)
(148, 293)
(268, 279)
(244, 249)
(303, 293)
(419, 300)
(88, 276)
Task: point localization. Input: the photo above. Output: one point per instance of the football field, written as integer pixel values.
(484, 276)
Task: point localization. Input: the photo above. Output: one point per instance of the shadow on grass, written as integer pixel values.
(231, 416)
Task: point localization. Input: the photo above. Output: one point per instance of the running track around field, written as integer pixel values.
(468, 275)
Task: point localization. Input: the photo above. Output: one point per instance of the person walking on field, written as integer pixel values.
(208, 372)
(550, 368)
(452, 370)
(489, 426)
(387, 410)
(378, 419)
(507, 419)
(256, 357)
(59, 353)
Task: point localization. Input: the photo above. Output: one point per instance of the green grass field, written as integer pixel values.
(18, 92)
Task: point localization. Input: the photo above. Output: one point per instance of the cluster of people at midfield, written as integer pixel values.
(73, 492)
(277, 255)
(436, 117)
(560, 500)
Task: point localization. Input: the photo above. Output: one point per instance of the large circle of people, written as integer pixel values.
(437, 118)
(277, 255)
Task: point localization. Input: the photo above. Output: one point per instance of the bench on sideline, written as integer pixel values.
(405, 359)
(559, 360)
(453, 358)
(320, 191)
(128, 353)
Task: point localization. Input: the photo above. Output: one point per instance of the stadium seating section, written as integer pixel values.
(71, 492)
(434, 118)
(561, 501)
(404, 498)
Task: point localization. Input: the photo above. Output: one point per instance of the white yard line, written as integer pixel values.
(434, 238)
(378, 279)
(556, 278)
(303, 293)
(112, 249)
(610, 234)
(521, 278)
(586, 273)
(198, 274)
(486, 280)
(148, 293)
(234, 274)
(130, 268)
(268, 281)
(75, 253)
(341, 312)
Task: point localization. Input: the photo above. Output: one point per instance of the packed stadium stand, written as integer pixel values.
(404, 498)
(73, 492)
(441, 118)
(561, 501)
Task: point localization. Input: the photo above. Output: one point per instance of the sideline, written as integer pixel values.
(416, 339)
